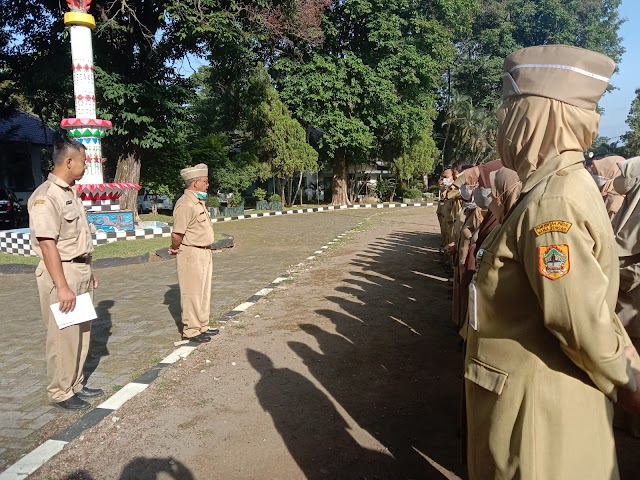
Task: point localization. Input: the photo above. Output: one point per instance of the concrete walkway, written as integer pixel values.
(138, 307)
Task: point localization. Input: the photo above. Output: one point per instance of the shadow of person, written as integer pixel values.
(100, 333)
(141, 468)
(313, 430)
(390, 328)
(172, 300)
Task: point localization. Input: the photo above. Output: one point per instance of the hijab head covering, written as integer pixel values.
(549, 96)
(626, 224)
(505, 188)
(608, 169)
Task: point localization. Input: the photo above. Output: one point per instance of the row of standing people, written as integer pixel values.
(544, 283)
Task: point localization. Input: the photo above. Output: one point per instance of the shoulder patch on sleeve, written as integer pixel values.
(40, 201)
(554, 226)
(553, 261)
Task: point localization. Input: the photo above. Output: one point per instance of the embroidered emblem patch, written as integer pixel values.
(553, 261)
(554, 226)
(39, 202)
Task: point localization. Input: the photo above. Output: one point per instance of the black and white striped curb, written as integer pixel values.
(49, 449)
(320, 209)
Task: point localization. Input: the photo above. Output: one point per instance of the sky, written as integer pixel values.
(616, 104)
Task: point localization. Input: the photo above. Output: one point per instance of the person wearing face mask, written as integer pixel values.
(626, 226)
(604, 171)
(443, 184)
(191, 241)
(546, 354)
(469, 221)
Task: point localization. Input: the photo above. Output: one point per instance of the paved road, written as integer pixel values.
(138, 307)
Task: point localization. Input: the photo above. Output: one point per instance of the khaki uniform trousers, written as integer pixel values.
(67, 348)
(195, 266)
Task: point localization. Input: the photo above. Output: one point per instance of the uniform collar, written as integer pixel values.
(191, 195)
(551, 166)
(58, 181)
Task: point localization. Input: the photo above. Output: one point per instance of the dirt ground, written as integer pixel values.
(350, 371)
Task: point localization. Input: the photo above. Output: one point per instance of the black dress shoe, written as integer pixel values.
(201, 338)
(90, 392)
(72, 403)
(211, 332)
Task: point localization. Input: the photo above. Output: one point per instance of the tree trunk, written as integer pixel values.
(340, 178)
(128, 171)
(283, 198)
(425, 181)
(299, 191)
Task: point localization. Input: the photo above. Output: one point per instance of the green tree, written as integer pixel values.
(632, 137)
(502, 26)
(137, 54)
(279, 140)
(418, 161)
(372, 84)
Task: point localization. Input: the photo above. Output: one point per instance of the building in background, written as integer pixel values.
(23, 138)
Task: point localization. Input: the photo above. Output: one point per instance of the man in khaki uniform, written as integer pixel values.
(444, 183)
(546, 355)
(191, 241)
(61, 236)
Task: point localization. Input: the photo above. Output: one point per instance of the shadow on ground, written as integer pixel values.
(100, 333)
(172, 300)
(142, 468)
(402, 384)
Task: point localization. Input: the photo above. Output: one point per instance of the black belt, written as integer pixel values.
(208, 247)
(82, 259)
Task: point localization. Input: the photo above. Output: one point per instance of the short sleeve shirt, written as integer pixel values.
(191, 218)
(56, 212)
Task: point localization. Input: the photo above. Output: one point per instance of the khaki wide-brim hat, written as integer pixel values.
(569, 74)
(200, 170)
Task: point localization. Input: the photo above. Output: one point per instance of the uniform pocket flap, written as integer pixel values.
(485, 375)
(70, 214)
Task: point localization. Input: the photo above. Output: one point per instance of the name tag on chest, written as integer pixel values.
(473, 306)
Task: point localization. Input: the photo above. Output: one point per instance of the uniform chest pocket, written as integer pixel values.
(202, 216)
(485, 375)
(70, 217)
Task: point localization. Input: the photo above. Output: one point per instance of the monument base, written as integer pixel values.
(117, 221)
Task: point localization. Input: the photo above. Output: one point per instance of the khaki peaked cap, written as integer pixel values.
(200, 170)
(569, 74)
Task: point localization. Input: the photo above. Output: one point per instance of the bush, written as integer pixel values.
(213, 201)
(412, 193)
(275, 198)
(234, 199)
(385, 187)
(434, 189)
(260, 193)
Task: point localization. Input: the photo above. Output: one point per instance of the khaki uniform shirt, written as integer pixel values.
(191, 218)
(545, 348)
(56, 212)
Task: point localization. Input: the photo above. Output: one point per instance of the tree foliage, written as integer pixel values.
(632, 137)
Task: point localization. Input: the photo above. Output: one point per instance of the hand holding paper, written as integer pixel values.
(83, 312)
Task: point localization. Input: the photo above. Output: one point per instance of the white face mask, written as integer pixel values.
(466, 192)
(600, 181)
(446, 181)
(482, 197)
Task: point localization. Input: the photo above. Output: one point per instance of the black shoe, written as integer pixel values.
(72, 403)
(201, 338)
(212, 332)
(90, 392)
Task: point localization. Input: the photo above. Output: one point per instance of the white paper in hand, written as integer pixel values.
(83, 312)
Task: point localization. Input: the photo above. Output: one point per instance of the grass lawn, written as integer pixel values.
(150, 217)
(124, 248)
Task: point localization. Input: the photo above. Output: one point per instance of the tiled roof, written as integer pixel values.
(25, 127)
